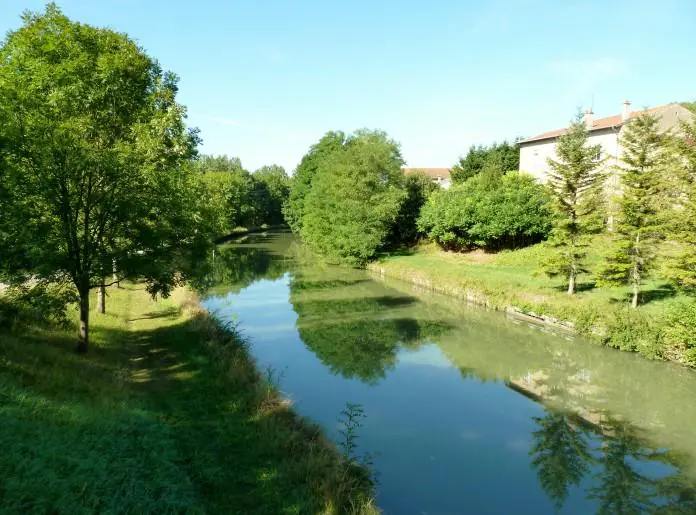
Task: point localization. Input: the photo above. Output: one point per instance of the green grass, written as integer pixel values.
(166, 414)
(514, 278)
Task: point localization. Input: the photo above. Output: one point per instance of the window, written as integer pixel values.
(598, 156)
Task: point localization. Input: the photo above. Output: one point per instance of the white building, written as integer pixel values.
(535, 151)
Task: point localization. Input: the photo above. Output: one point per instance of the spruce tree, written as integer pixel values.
(637, 231)
(576, 184)
(681, 265)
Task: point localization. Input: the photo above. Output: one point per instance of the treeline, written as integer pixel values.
(349, 200)
(241, 198)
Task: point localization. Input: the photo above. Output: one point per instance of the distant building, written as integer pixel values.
(606, 132)
(440, 176)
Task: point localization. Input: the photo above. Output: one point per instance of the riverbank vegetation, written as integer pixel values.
(167, 413)
(242, 199)
(102, 189)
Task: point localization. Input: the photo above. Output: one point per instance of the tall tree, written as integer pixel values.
(637, 230)
(681, 263)
(276, 186)
(497, 159)
(576, 185)
(304, 175)
(94, 158)
(355, 198)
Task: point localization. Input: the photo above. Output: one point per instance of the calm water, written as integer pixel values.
(467, 411)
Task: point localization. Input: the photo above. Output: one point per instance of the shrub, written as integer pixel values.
(679, 334)
(634, 332)
(488, 211)
(419, 187)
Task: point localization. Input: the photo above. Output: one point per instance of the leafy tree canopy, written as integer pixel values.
(304, 174)
(274, 192)
(94, 162)
(221, 163)
(498, 158)
(354, 199)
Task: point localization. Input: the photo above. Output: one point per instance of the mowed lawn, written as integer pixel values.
(165, 414)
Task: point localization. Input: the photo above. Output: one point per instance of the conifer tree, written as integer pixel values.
(576, 185)
(637, 230)
(681, 265)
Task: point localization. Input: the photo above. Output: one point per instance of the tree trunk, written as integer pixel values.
(636, 291)
(115, 273)
(571, 281)
(83, 343)
(101, 298)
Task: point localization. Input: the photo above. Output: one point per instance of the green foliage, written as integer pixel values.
(499, 158)
(419, 188)
(304, 175)
(148, 423)
(274, 191)
(222, 163)
(243, 199)
(680, 267)
(630, 331)
(560, 454)
(488, 211)
(355, 195)
(94, 162)
(637, 231)
(39, 304)
(679, 333)
(576, 185)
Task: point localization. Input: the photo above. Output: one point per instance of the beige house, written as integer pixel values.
(440, 176)
(606, 132)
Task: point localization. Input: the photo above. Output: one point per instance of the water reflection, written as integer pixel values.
(347, 333)
(615, 436)
(560, 454)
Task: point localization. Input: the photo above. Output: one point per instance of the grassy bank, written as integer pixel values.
(167, 413)
(513, 280)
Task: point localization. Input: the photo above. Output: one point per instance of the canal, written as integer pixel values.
(465, 410)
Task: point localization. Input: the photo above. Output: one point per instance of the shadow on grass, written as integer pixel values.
(580, 287)
(660, 292)
(174, 419)
(169, 314)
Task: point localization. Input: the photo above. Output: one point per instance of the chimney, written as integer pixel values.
(626, 113)
(588, 118)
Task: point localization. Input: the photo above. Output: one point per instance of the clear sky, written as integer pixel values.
(264, 79)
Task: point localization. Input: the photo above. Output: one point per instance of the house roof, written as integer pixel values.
(430, 172)
(598, 124)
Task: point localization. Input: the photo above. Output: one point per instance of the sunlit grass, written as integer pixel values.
(515, 278)
(167, 413)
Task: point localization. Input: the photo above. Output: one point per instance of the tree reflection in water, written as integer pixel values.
(581, 445)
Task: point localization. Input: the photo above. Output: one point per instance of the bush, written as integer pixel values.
(679, 334)
(489, 211)
(419, 188)
(634, 332)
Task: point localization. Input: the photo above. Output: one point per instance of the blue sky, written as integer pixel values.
(263, 80)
